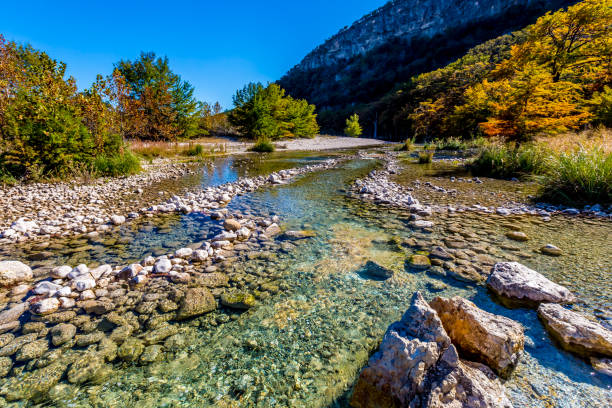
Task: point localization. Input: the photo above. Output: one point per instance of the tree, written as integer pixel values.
(169, 109)
(266, 112)
(353, 128)
(570, 42)
(41, 130)
(530, 102)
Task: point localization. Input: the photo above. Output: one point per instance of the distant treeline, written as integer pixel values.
(50, 128)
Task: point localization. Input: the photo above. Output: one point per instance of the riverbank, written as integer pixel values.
(228, 146)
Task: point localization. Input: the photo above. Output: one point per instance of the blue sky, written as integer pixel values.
(217, 46)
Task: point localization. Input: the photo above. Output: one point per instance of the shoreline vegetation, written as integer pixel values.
(520, 102)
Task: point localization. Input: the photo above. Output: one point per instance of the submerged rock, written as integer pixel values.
(419, 262)
(62, 333)
(517, 236)
(14, 272)
(197, 301)
(601, 365)
(575, 332)
(238, 300)
(491, 339)
(131, 349)
(551, 250)
(33, 384)
(297, 235)
(375, 270)
(515, 281)
(417, 365)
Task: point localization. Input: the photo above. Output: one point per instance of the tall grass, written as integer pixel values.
(510, 160)
(579, 177)
(455, 143)
(426, 157)
(119, 165)
(407, 146)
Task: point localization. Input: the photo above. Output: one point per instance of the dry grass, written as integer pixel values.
(586, 140)
(208, 147)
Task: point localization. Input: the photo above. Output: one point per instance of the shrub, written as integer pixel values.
(579, 177)
(263, 145)
(118, 165)
(506, 161)
(407, 146)
(426, 157)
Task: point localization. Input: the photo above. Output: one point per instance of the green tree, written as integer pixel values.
(353, 128)
(169, 109)
(266, 112)
(41, 130)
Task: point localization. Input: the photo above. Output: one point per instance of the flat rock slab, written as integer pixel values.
(416, 365)
(517, 282)
(574, 332)
(482, 336)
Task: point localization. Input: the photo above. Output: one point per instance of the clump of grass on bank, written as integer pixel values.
(455, 143)
(426, 157)
(119, 165)
(197, 150)
(407, 146)
(510, 160)
(579, 177)
(263, 146)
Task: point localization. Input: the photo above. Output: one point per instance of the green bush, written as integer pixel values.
(579, 177)
(426, 157)
(509, 160)
(118, 165)
(263, 146)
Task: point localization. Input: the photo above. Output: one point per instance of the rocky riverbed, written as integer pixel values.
(279, 296)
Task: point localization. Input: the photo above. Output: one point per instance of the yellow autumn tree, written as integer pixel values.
(529, 102)
(547, 83)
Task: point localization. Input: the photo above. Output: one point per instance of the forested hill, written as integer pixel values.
(365, 61)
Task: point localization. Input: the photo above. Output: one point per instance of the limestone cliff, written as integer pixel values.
(401, 39)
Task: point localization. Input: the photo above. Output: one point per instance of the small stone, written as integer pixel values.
(117, 219)
(517, 236)
(62, 333)
(375, 270)
(5, 366)
(183, 253)
(551, 250)
(197, 301)
(231, 224)
(419, 262)
(163, 265)
(131, 349)
(14, 272)
(84, 340)
(601, 365)
(238, 300)
(151, 354)
(32, 350)
(45, 306)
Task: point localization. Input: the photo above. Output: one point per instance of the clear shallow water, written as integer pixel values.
(305, 345)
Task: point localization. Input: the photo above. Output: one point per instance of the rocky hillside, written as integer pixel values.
(400, 39)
